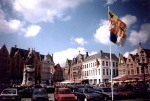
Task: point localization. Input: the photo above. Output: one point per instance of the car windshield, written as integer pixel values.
(9, 92)
(65, 91)
(88, 91)
(39, 91)
(106, 89)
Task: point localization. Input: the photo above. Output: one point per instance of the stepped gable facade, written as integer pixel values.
(5, 65)
(130, 66)
(58, 74)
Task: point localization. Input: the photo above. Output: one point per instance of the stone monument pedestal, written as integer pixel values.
(28, 75)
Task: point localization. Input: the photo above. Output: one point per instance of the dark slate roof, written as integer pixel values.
(69, 62)
(147, 52)
(38, 55)
(102, 56)
(23, 53)
(41, 57)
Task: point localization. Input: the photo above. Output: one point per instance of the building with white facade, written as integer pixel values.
(102, 73)
(46, 65)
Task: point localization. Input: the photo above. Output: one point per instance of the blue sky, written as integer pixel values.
(65, 27)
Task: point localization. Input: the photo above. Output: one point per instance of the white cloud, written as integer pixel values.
(45, 10)
(92, 53)
(109, 2)
(129, 20)
(102, 33)
(60, 57)
(132, 52)
(80, 41)
(32, 30)
(10, 26)
(142, 36)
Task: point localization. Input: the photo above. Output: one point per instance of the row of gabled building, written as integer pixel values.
(12, 65)
(92, 69)
(86, 69)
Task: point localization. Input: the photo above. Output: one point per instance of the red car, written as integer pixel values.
(125, 92)
(64, 94)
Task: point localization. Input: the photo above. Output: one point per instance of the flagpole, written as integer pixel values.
(111, 68)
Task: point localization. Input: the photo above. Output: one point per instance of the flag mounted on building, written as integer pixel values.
(97, 63)
(117, 29)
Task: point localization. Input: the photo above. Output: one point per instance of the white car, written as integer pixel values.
(10, 94)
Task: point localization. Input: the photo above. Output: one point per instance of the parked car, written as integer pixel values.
(107, 93)
(140, 91)
(64, 94)
(87, 94)
(10, 94)
(126, 93)
(27, 92)
(39, 94)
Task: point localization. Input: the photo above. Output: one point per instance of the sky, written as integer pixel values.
(65, 27)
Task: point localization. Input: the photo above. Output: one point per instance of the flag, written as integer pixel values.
(52, 70)
(97, 63)
(117, 29)
(119, 62)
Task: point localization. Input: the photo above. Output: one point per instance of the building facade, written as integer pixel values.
(5, 65)
(46, 64)
(101, 72)
(76, 66)
(58, 74)
(18, 61)
(67, 69)
(132, 67)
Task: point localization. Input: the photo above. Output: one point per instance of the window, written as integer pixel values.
(116, 64)
(132, 72)
(107, 72)
(129, 60)
(142, 70)
(114, 72)
(103, 71)
(113, 64)
(106, 63)
(103, 63)
(99, 71)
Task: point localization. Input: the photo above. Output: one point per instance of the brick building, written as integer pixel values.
(130, 67)
(5, 65)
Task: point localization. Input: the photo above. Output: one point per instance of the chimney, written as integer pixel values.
(52, 56)
(28, 49)
(101, 51)
(15, 46)
(87, 54)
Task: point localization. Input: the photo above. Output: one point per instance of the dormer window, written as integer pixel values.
(129, 60)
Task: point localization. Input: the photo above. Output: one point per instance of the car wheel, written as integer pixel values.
(55, 100)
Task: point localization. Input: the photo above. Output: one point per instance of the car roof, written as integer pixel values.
(10, 89)
(63, 88)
